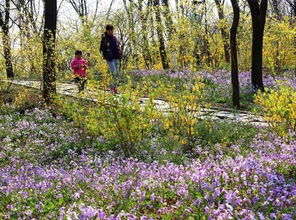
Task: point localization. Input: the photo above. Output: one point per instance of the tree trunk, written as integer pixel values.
(206, 43)
(162, 48)
(224, 34)
(81, 9)
(258, 22)
(233, 47)
(129, 8)
(49, 76)
(226, 46)
(168, 18)
(4, 23)
(7, 55)
(276, 10)
(294, 8)
(145, 50)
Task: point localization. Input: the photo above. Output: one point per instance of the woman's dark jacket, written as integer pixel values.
(110, 48)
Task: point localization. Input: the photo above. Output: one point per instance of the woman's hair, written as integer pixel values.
(78, 52)
(109, 27)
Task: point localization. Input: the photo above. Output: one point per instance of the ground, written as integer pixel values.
(53, 167)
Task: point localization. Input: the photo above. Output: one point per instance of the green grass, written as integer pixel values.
(208, 134)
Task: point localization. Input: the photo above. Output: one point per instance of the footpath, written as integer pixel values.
(70, 89)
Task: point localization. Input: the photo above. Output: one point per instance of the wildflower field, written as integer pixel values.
(55, 166)
(147, 109)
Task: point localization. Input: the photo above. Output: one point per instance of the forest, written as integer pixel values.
(148, 109)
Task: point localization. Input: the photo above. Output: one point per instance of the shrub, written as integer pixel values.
(25, 99)
(118, 118)
(124, 119)
(279, 106)
(14, 98)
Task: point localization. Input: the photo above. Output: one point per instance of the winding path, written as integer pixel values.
(70, 89)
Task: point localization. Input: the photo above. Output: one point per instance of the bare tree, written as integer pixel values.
(50, 25)
(233, 47)
(202, 47)
(28, 15)
(292, 4)
(275, 6)
(131, 14)
(82, 8)
(168, 18)
(4, 23)
(109, 9)
(144, 15)
(27, 19)
(225, 37)
(159, 29)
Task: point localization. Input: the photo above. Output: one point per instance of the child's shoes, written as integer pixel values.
(115, 91)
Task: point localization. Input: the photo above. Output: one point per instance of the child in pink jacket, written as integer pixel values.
(79, 66)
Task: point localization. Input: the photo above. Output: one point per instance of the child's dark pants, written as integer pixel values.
(80, 83)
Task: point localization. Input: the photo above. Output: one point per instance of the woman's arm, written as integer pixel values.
(103, 44)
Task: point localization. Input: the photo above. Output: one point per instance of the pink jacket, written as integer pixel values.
(78, 68)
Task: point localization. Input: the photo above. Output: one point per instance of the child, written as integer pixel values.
(79, 66)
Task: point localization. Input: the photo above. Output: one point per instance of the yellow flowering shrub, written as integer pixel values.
(279, 107)
(131, 122)
(26, 99)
